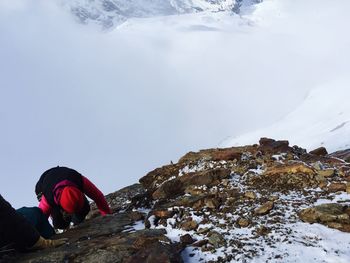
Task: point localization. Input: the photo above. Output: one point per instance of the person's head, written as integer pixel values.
(72, 200)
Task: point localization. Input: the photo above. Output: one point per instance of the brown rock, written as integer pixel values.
(344, 155)
(263, 231)
(337, 187)
(321, 151)
(332, 215)
(270, 145)
(243, 222)
(326, 173)
(194, 190)
(156, 177)
(189, 225)
(290, 176)
(295, 168)
(216, 239)
(203, 230)
(177, 186)
(322, 184)
(164, 213)
(136, 216)
(156, 252)
(344, 171)
(207, 178)
(273, 198)
(209, 201)
(264, 209)
(144, 241)
(250, 195)
(169, 189)
(187, 239)
(226, 154)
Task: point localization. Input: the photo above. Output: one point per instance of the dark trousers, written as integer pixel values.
(14, 228)
(36, 217)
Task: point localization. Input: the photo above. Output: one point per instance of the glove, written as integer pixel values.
(43, 243)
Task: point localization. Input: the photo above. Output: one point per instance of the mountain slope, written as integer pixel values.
(267, 202)
(109, 13)
(323, 119)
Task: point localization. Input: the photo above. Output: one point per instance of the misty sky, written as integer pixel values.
(115, 105)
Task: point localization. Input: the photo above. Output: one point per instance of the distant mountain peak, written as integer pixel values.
(110, 13)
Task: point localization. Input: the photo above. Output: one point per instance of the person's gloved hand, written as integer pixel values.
(43, 243)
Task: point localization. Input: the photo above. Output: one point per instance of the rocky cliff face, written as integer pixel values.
(239, 204)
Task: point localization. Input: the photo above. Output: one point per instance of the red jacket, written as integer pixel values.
(91, 191)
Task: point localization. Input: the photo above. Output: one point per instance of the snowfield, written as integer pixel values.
(322, 119)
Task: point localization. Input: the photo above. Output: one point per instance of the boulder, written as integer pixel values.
(187, 239)
(226, 154)
(321, 151)
(155, 178)
(337, 187)
(289, 176)
(156, 252)
(267, 145)
(264, 209)
(250, 195)
(326, 172)
(332, 215)
(242, 222)
(343, 154)
(177, 186)
(216, 239)
(189, 225)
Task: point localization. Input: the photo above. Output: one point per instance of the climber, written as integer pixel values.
(61, 192)
(17, 231)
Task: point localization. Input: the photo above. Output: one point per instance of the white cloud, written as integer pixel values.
(11, 5)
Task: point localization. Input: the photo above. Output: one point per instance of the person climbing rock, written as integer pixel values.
(36, 217)
(17, 231)
(61, 192)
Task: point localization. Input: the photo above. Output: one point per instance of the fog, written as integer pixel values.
(115, 105)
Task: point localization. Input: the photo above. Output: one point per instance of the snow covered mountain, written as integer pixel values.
(109, 13)
(323, 119)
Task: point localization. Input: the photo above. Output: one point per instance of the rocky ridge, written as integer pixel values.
(238, 204)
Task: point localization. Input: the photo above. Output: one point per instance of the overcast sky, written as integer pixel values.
(116, 105)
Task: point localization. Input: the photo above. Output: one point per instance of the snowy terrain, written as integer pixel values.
(290, 241)
(322, 119)
(110, 13)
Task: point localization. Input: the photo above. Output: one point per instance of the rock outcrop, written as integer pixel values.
(228, 203)
(332, 215)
